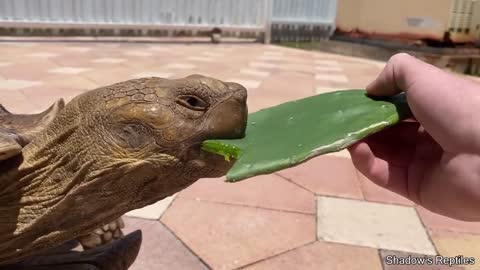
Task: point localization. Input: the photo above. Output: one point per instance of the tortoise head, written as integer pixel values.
(150, 117)
(138, 141)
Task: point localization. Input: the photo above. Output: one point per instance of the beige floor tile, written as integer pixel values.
(435, 221)
(160, 248)
(138, 53)
(153, 211)
(225, 49)
(214, 54)
(19, 44)
(322, 255)
(265, 191)
(272, 58)
(201, 59)
(180, 66)
(397, 260)
(228, 237)
(45, 95)
(326, 63)
(153, 74)
(375, 193)
(109, 60)
(339, 78)
(274, 53)
(259, 64)
(107, 76)
(71, 81)
(450, 245)
(16, 101)
(326, 175)
(17, 84)
(159, 48)
(79, 49)
(279, 85)
(249, 84)
(324, 55)
(43, 55)
(372, 224)
(68, 70)
(328, 68)
(255, 72)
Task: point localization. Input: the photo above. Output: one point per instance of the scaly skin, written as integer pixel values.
(112, 150)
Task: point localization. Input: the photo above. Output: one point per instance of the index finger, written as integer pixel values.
(399, 75)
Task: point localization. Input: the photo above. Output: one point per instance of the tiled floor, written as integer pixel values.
(320, 215)
(370, 224)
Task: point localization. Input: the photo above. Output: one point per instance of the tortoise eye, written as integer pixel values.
(193, 103)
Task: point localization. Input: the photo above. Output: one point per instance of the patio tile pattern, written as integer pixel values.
(322, 214)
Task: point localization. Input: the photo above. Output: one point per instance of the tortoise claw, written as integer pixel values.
(103, 235)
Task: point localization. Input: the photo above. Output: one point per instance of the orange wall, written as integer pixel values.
(391, 17)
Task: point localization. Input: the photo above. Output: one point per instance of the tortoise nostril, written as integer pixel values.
(230, 120)
(240, 95)
(240, 92)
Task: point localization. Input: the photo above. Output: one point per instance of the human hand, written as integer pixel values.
(434, 162)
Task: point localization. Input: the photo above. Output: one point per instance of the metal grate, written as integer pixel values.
(303, 18)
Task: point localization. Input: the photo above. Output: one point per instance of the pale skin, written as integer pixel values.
(435, 160)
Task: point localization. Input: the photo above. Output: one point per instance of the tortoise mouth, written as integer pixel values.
(204, 163)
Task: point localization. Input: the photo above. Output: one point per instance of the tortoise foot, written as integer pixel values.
(116, 255)
(103, 235)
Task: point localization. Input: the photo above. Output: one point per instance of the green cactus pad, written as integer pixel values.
(291, 133)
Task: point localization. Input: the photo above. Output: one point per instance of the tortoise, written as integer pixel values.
(73, 169)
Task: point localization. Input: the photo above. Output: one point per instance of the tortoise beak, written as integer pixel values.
(230, 122)
(230, 117)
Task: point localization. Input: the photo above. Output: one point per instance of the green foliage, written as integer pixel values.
(294, 132)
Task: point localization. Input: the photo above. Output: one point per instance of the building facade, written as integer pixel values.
(411, 19)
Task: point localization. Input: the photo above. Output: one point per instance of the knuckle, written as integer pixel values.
(399, 58)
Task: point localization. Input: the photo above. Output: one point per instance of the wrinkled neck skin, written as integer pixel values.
(61, 190)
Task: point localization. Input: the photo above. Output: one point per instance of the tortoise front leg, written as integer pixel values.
(116, 255)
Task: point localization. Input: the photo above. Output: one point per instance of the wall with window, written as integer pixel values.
(462, 17)
(410, 19)
(475, 20)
